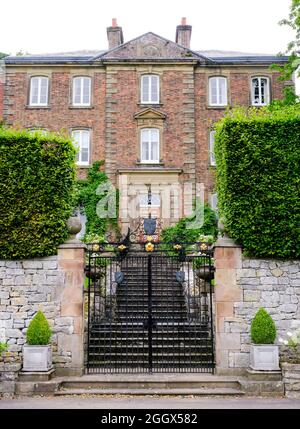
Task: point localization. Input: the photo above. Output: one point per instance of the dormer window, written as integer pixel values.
(150, 89)
(39, 91)
(260, 92)
(218, 91)
(82, 91)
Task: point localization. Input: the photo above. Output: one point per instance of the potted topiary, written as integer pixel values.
(264, 354)
(37, 353)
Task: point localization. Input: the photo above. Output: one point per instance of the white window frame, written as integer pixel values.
(150, 100)
(212, 158)
(267, 94)
(219, 102)
(214, 201)
(38, 103)
(81, 79)
(43, 131)
(154, 204)
(78, 144)
(150, 141)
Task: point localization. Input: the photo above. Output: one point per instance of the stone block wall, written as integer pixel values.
(243, 285)
(53, 285)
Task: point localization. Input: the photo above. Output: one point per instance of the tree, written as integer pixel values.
(293, 51)
(2, 55)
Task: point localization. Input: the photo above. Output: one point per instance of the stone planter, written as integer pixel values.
(264, 357)
(37, 358)
(291, 379)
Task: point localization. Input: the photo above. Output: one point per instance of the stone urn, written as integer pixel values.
(74, 226)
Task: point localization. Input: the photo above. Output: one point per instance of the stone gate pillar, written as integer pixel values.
(71, 257)
(228, 258)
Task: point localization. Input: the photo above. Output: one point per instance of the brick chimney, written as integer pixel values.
(183, 34)
(114, 35)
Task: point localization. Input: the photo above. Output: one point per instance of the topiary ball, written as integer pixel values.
(39, 331)
(263, 329)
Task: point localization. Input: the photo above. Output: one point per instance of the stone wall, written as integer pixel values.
(272, 284)
(53, 285)
(243, 285)
(291, 380)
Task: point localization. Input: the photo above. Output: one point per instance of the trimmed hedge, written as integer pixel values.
(258, 179)
(263, 329)
(39, 331)
(37, 176)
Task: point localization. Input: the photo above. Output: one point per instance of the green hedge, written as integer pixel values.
(37, 176)
(258, 179)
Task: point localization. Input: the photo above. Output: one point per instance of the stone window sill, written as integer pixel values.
(27, 106)
(154, 164)
(80, 107)
(83, 166)
(218, 107)
(153, 106)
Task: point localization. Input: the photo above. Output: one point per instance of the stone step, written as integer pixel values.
(146, 384)
(153, 391)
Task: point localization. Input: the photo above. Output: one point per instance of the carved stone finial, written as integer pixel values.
(74, 226)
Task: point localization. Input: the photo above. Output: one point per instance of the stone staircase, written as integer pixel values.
(181, 338)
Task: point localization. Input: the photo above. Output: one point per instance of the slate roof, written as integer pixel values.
(167, 51)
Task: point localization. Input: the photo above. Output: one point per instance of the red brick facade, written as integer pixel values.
(186, 117)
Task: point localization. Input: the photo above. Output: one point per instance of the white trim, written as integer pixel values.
(79, 142)
(38, 79)
(81, 80)
(149, 99)
(212, 159)
(214, 201)
(267, 91)
(219, 95)
(149, 142)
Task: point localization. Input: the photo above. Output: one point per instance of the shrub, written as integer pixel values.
(3, 347)
(38, 332)
(181, 234)
(263, 329)
(258, 181)
(37, 176)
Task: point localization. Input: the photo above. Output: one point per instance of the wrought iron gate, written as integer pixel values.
(150, 308)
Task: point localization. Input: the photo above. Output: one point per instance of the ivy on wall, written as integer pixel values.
(37, 178)
(258, 179)
(92, 192)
